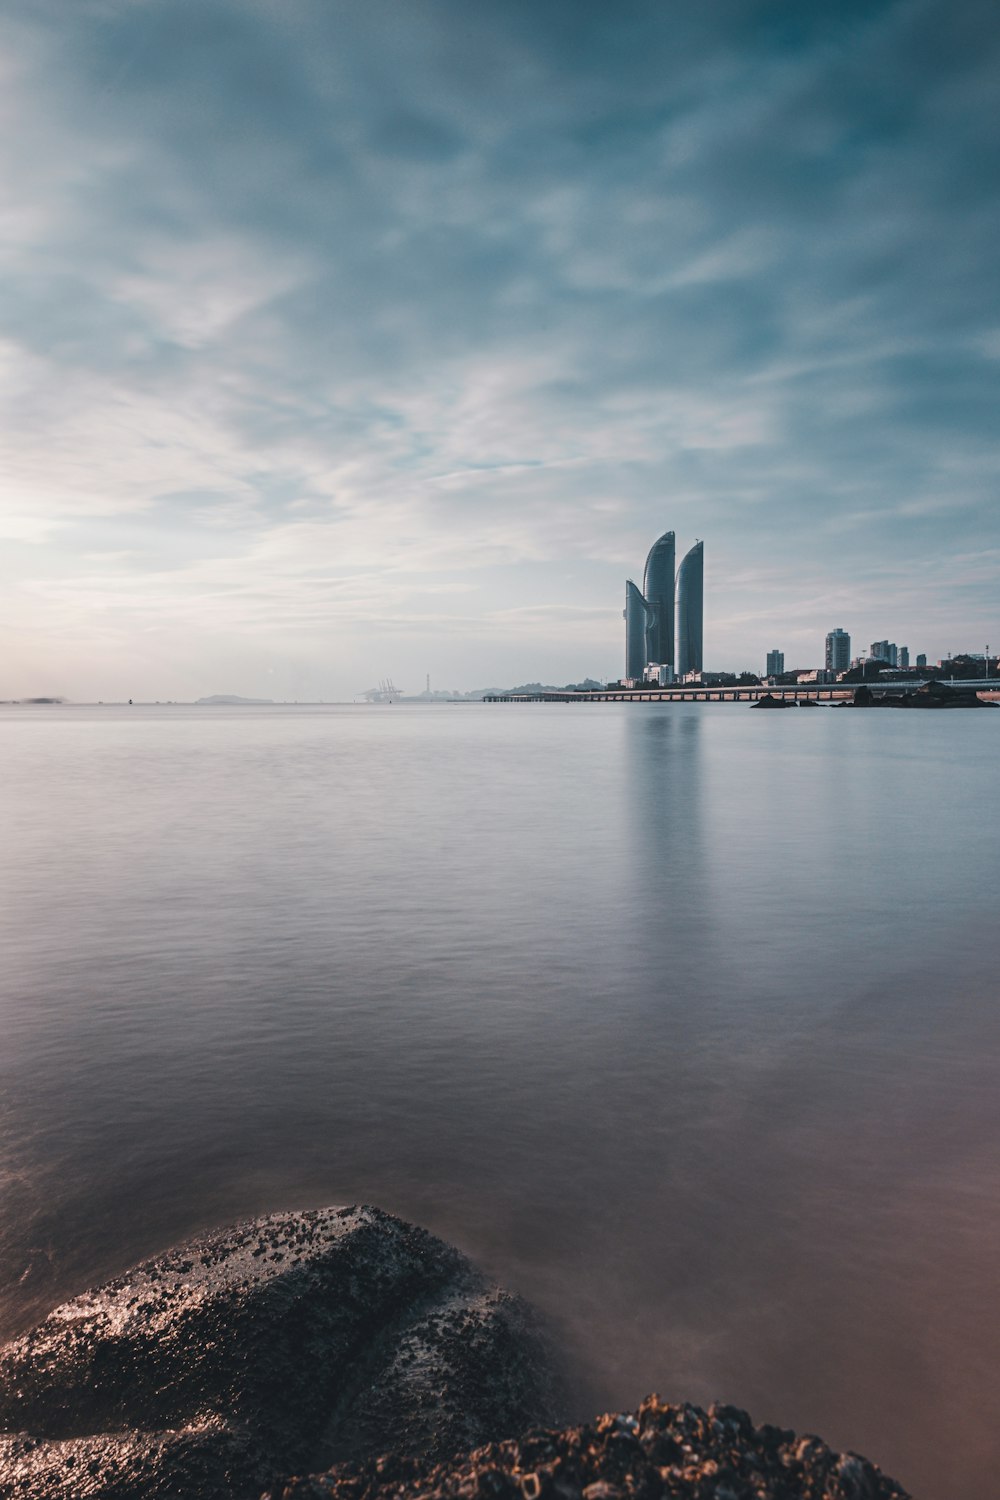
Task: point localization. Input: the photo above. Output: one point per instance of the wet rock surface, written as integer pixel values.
(281, 1345)
(660, 1452)
(364, 1354)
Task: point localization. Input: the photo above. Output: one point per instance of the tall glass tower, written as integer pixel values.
(636, 621)
(691, 610)
(658, 587)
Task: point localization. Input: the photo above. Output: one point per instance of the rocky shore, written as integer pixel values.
(660, 1452)
(932, 694)
(362, 1353)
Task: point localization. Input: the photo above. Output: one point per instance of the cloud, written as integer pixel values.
(312, 314)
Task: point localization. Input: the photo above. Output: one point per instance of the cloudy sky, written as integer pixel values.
(341, 340)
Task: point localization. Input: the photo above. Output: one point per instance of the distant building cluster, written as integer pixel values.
(881, 656)
(890, 653)
(664, 621)
(664, 636)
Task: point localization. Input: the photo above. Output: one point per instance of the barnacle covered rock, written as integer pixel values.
(282, 1344)
(660, 1452)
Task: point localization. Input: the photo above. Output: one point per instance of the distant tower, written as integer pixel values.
(636, 621)
(838, 651)
(691, 611)
(775, 663)
(428, 684)
(658, 587)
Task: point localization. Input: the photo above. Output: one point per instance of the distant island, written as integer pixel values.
(227, 700)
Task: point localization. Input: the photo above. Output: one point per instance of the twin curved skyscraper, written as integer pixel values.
(650, 635)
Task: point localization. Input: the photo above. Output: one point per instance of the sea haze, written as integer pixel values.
(681, 1019)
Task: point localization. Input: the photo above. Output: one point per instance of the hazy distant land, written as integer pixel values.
(228, 699)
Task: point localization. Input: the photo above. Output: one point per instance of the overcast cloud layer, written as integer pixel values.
(340, 340)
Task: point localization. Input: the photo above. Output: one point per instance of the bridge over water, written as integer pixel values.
(692, 692)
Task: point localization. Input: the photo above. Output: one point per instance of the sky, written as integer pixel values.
(345, 341)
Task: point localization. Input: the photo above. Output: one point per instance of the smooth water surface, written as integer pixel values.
(682, 1019)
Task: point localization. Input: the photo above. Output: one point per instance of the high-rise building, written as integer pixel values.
(658, 587)
(636, 621)
(902, 656)
(775, 663)
(838, 651)
(691, 611)
(921, 659)
(665, 625)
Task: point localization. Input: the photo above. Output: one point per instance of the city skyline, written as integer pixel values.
(333, 349)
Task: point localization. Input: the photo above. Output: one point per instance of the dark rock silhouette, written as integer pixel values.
(280, 1345)
(770, 701)
(936, 694)
(933, 694)
(660, 1452)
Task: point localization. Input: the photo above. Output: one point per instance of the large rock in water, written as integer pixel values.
(349, 1347)
(660, 1452)
(279, 1346)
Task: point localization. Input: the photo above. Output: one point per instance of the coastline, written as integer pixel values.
(349, 1345)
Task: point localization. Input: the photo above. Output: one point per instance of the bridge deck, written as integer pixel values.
(825, 692)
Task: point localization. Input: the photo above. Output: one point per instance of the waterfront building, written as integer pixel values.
(658, 588)
(884, 651)
(838, 651)
(690, 612)
(921, 659)
(636, 621)
(902, 656)
(775, 663)
(664, 625)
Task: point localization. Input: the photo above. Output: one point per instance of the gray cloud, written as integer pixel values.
(398, 294)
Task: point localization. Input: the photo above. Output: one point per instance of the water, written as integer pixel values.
(680, 1019)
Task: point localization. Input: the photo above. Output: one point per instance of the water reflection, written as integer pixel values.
(700, 1056)
(663, 781)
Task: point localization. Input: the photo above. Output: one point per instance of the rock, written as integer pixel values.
(348, 1347)
(933, 694)
(284, 1344)
(770, 701)
(936, 694)
(660, 1452)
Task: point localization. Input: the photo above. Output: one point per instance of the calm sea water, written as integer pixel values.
(683, 1020)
